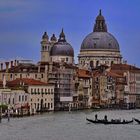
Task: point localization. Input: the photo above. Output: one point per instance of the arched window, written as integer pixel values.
(97, 63)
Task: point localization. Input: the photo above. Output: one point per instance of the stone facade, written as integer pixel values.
(41, 98)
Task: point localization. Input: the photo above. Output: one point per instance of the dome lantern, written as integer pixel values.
(45, 36)
(53, 38)
(100, 25)
(62, 37)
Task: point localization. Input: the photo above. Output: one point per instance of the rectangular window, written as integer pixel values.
(9, 101)
(48, 91)
(19, 98)
(35, 76)
(67, 59)
(11, 76)
(25, 97)
(22, 98)
(42, 90)
(51, 90)
(38, 91)
(13, 101)
(48, 105)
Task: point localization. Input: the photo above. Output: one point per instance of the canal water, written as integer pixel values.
(71, 126)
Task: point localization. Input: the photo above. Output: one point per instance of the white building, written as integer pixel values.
(14, 99)
(41, 95)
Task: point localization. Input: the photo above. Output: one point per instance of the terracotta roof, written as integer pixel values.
(83, 73)
(97, 73)
(125, 67)
(26, 81)
(113, 74)
(22, 67)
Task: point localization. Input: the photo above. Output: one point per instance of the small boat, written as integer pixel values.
(138, 121)
(109, 122)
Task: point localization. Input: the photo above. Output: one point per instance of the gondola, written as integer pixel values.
(95, 121)
(138, 121)
(109, 122)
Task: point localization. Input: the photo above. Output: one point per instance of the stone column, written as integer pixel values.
(7, 66)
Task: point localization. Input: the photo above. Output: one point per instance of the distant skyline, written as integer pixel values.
(23, 22)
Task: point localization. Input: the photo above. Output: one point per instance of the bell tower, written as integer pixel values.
(45, 48)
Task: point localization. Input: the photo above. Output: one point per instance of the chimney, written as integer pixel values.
(38, 68)
(1, 66)
(7, 66)
(15, 63)
(11, 63)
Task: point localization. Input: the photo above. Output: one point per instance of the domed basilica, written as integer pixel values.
(99, 47)
(56, 51)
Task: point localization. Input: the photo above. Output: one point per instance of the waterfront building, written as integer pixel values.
(41, 95)
(83, 89)
(108, 88)
(99, 47)
(132, 89)
(15, 99)
(61, 75)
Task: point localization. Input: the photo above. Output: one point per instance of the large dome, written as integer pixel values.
(100, 41)
(62, 48)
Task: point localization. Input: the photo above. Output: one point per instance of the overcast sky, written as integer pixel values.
(22, 23)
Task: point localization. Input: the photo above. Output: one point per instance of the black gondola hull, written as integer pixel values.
(138, 121)
(108, 122)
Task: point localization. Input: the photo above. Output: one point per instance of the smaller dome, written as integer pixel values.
(62, 48)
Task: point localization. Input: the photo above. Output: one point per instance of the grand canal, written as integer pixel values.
(70, 126)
